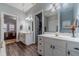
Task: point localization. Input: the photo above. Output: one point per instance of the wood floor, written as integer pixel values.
(8, 41)
(19, 49)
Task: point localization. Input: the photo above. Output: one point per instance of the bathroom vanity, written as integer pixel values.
(26, 37)
(61, 45)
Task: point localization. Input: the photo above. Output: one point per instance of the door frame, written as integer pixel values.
(41, 11)
(2, 25)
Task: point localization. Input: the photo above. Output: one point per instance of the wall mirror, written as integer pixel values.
(51, 19)
(29, 23)
(68, 14)
(66, 17)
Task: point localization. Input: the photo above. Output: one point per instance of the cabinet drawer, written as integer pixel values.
(40, 39)
(74, 46)
(41, 51)
(60, 44)
(40, 46)
(40, 43)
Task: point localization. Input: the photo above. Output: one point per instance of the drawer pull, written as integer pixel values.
(40, 50)
(53, 47)
(76, 48)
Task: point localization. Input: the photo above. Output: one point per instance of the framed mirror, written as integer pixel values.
(50, 19)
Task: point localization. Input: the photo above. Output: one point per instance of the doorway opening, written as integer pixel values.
(38, 26)
(9, 29)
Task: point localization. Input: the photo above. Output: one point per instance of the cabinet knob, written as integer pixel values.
(40, 50)
(40, 43)
(53, 47)
(68, 53)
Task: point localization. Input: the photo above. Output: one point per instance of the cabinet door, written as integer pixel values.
(72, 53)
(60, 48)
(59, 52)
(72, 48)
(48, 47)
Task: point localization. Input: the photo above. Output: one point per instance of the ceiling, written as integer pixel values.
(49, 13)
(22, 6)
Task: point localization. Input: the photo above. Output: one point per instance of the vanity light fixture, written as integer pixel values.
(29, 18)
(55, 6)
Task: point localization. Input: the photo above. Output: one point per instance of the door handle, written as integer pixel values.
(76, 48)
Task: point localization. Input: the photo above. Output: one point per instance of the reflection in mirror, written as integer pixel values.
(51, 20)
(29, 24)
(66, 17)
(21, 27)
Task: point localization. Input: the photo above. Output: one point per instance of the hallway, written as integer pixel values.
(19, 49)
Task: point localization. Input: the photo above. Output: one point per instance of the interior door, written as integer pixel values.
(48, 47)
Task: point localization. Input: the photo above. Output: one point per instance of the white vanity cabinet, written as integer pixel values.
(58, 45)
(26, 37)
(52, 47)
(72, 48)
(29, 38)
